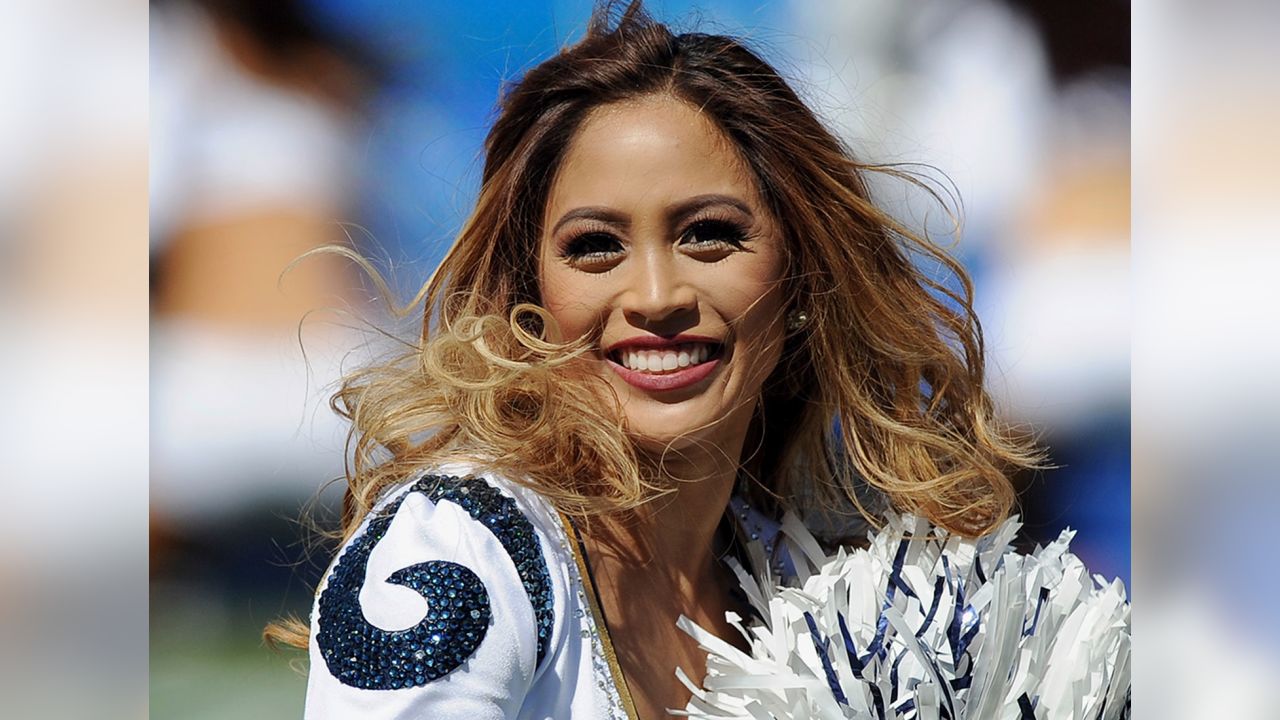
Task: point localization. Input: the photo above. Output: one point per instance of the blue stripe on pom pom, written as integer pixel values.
(893, 676)
(823, 646)
(1035, 621)
(964, 678)
(895, 577)
(933, 608)
(849, 648)
(878, 700)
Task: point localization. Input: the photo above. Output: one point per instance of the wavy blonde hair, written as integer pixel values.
(880, 391)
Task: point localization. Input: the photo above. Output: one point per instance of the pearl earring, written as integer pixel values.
(797, 319)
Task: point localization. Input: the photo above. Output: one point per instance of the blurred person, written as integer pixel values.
(1058, 307)
(1206, 406)
(673, 286)
(73, 141)
(254, 115)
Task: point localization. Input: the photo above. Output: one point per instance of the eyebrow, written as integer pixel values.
(601, 213)
(675, 213)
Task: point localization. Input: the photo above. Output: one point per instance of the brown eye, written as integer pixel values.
(713, 233)
(592, 248)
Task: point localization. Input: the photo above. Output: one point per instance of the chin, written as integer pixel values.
(682, 426)
(653, 441)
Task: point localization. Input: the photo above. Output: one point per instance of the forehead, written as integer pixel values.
(652, 150)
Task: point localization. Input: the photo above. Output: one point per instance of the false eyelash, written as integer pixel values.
(737, 234)
(590, 244)
(598, 243)
(577, 246)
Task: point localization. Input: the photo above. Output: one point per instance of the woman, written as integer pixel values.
(673, 315)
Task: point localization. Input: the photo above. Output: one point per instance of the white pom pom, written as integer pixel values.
(922, 626)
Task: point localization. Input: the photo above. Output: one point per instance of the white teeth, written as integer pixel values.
(663, 361)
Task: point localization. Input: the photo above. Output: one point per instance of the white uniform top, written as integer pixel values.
(434, 608)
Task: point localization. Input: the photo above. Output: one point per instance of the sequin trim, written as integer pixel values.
(364, 656)
(604, 667)
(752, 526)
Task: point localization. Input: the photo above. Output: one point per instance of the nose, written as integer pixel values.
(657, 293)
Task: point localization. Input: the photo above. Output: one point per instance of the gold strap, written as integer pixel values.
(602, 625)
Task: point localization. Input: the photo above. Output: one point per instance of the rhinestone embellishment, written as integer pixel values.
(500, 514)
(367, 657)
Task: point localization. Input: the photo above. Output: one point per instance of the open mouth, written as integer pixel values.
(667, 360)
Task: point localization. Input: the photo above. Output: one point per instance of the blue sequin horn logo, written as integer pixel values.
(362, 655)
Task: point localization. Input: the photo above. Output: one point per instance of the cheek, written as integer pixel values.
(762, 326)
(756, 286)
(761, 322)
(568, 299)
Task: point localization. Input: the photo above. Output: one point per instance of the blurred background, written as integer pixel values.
(398, 102)
(393, 89)
(73, 338)
(276, 127)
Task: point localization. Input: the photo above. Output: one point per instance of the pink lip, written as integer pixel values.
(666, 381)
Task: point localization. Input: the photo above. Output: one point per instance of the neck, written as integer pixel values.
(672, 539)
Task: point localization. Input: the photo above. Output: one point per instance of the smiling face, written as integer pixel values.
(655, 238)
